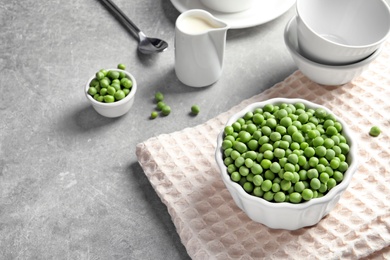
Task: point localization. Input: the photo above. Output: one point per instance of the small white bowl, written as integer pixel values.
(287, 215)
(117, 108)
(339, 32)
(332, 75)
(228, 6)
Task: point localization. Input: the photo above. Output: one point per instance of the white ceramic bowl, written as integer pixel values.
(338, 32)
(117, 108)
(228, 6)
(286, 215)
(321, 73)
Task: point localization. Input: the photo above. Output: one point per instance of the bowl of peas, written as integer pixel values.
(111, 92)
(286, 162)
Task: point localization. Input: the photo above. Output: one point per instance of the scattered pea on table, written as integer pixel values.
(375, 131)
(195, 109)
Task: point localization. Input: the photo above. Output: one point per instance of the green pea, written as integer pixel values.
(126, 83)
(228, 130)
(295, 197)
(243, 170)
(338, 126)
(226, 144)
(320, 151)
(275, 167)
(119, 95)
(312, 173)
(271, 123)
(109, 99)
(113, 74)
(334, 163)
(301, 160)
(244, 136)
(288, 176)
(303, 175)
(275, 136)
(315, 183)
(286, 121)
(166, 110)
(240, 147)
(266, 185)
(229, 164)
(331, 183)
(289, 167)
(236, 126)
(285, 185)
(344, 148)
(104, 83)
(227, 151)
(100, 98)
(331, 130)
(338, 176)
(279, 196)
(251, 155)
(324, 177)
(275, 187)
(258, 118)
(92, 91)
(313, 161)
(293, 158)
(235, 176)
(158, 96)
(99, 75)
(375, 131)
(281, 129)
(298, 137)
(122, 74)
(303, 118)
(307, 194)
(253, 145)
(266, 130)
(343, 166)
(121, 66)
(234, 154)
(256, 169)
(309, 152)
(111, 90)
(268, 196)
(266, 163)
(279, 153)
(160, 105)
(154, 115)
(248, 187)
(94, 83)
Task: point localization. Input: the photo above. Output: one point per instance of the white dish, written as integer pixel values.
(262, 12)
(321, 73)
(286, 215)
(340, 32)
(117, 108)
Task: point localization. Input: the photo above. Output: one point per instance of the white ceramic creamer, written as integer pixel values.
(200, 41)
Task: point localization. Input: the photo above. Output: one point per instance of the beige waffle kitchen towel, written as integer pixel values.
(183, 172)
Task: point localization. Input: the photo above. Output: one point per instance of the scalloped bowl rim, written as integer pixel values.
(287, 205)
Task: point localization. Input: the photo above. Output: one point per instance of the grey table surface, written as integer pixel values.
(70, 183)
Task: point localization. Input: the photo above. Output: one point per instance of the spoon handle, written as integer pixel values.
(121, 16)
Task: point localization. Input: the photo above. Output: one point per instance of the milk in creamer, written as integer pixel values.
(194, 25)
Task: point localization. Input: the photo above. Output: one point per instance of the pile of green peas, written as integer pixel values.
(110, 86)
(286, 152)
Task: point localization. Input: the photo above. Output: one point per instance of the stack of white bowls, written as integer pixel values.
(334, 41)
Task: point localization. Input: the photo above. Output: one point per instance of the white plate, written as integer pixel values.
(262, 11)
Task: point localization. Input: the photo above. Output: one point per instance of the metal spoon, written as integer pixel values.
(146, 44)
